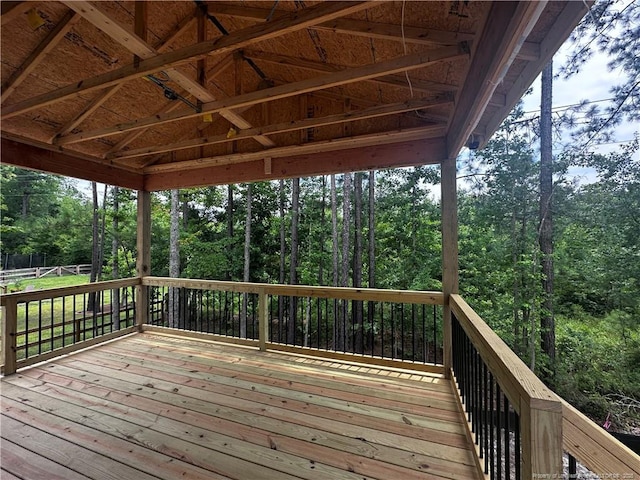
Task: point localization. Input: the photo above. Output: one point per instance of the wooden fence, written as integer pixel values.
(8, 276)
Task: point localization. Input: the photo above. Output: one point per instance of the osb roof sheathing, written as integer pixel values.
(103, 38)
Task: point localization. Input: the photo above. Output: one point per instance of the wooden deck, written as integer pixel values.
(151, 406)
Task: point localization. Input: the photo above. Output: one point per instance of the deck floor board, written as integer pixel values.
(151, 406)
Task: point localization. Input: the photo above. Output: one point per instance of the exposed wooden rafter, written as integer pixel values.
(106, 94)
(236, 40)
(394, 80)
(35, 57)
(290, 126)
(404, 63)
(141, 49)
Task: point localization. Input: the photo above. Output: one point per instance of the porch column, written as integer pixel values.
(449, 212)
(143, 258)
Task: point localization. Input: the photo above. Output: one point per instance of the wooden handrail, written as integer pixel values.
(342, 293)
(595, 448)
(21, 297)
(539, 408)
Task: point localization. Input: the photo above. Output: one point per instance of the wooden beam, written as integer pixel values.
(139, 47)
(236, 40)
(405, 154)
(290, 126)
(414, 35)
(40, 156)
(508, 25)
(12, 10)
(405, 63)
(35, 57)
(348, 26)
(382, 138)
(558, 33)
(394, 80)
(102, 97)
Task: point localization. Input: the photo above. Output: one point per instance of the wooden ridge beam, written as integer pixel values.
(373, 139)
(141, 49)
(394, 65)
(33, 155)
(236, 40)
(290, 126)
(402, 154)
(394, 80)
(508, 25)
(35, 57)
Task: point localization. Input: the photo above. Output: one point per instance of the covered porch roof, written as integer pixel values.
(160, 95)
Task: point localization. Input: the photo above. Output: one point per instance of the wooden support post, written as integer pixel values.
(263, 323)
(449, 212)
(541, 434)
(9, 328)
(143, 260)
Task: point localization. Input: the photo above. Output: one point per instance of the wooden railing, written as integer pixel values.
(43, 324)
(494, 384)
(385, 326)
(514, 419)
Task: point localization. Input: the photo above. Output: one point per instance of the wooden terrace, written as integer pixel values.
(152, 406)
(153, 96)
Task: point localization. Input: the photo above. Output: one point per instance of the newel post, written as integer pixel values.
(541, 436)
(143, 259)
(9, 328)
(449, 213)
(263, 324)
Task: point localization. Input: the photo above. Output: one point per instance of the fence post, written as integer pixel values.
(541, 431)
(9, 329)
(263, 323)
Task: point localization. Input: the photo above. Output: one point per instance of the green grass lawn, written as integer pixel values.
(49, 282)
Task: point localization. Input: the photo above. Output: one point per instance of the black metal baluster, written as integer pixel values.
(435, 336)
(492, 425)
(382, 329)
(516, 435)
(26, 330)
(51, 326)
(507, 439)
(573, 468)
(499, 430)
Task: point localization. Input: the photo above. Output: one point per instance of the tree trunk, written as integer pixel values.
(95, 250)
(334, 258)
(229, 231)
(174, 259)
(293, 273)
(357, 264)
(247, 262)
(322, 232)
(115, 270)
(103, 235)
(343, 336)
(372, 246)
(283, 254)
(547, 322)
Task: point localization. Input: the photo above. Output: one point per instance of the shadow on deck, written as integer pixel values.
(153, 406)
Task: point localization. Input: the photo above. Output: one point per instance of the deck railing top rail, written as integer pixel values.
(33, 295)
(342, 293)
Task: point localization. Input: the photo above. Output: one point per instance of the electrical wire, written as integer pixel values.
(404, 45)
